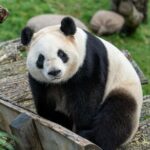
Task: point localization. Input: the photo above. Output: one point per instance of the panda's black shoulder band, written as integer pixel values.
(68, 26)
(26, 35)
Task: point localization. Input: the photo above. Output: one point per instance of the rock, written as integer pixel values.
(106, 22)
(38, 22)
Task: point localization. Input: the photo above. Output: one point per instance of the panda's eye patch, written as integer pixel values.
(40, 61)
(62, 55)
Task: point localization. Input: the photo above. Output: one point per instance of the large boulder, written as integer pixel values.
(38, 22)
(106, 22)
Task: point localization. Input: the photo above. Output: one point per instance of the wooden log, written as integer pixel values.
(11, 69)
(6, 116)
(9, 51)
(24, 130)
(50, 131)
(63, 139)
(16, 89)
(2, 121)
(52, 135)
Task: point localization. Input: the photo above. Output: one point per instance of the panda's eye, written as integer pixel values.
(40, 61)
(62, 55)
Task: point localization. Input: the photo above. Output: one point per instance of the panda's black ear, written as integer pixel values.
(68, 26)
(26, 35)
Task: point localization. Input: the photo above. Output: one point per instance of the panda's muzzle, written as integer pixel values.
(54, 72)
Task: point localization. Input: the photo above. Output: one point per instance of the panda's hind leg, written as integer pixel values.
(115, 121)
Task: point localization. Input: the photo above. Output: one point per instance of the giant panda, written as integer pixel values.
(84, 83)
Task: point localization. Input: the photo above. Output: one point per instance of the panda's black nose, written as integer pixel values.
(54, 72)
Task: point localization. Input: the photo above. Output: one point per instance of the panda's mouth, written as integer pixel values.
(55, 78)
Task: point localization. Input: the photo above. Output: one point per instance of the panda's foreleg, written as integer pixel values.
(46, 107)
(39, 96)
(114, 122)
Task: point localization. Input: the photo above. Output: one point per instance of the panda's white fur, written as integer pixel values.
(121, 74)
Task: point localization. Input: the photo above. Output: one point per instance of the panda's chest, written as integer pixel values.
(57, 97)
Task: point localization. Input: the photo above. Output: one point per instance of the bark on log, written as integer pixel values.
(9, 51)
(11, 69)
(15, 87)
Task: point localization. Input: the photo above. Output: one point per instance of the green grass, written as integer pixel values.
(20, 11)
(7, 141)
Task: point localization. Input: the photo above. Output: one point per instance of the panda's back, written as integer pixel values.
(121, 74)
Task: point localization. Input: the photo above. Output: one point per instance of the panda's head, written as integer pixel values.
(55, 53)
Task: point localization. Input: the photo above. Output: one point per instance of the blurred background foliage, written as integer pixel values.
(20, 11)
(7, 141)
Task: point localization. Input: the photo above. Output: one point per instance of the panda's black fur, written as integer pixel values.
(67, 22)
(107, 124)
(26, 35)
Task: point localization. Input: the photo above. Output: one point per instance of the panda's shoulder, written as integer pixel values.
(95, 45)
(93, 40)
